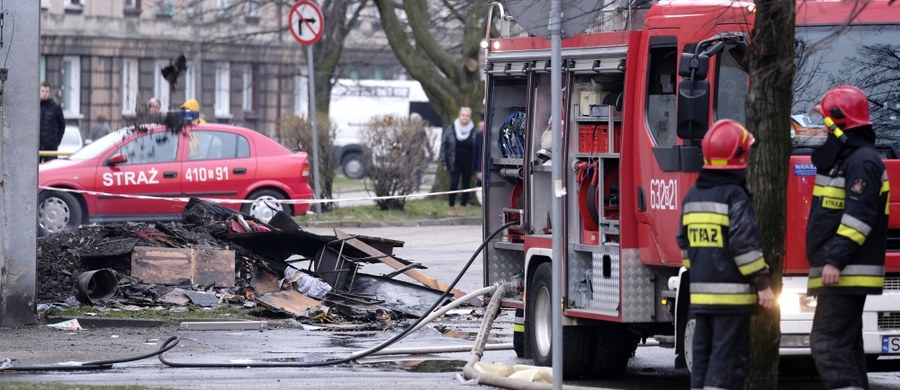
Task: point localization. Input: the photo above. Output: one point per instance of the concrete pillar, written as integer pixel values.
(19, 112)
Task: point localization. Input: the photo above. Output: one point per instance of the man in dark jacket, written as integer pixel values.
(846, 237)
(53, 124)
(720, 245)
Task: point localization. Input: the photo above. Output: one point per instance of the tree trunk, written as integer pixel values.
(771, 70)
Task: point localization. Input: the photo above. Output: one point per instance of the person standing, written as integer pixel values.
(458, 156)
(99, 129)
(53, 123)
(720, 246)
(153, 111)
(846, 237)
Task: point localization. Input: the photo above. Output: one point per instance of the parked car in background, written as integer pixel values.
(71, 141)
(137, 174)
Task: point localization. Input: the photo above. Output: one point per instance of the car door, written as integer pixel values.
(145, 183)
(218, 165)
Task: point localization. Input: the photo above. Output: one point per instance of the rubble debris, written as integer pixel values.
(66, 325)
(98, 286)
(178, 266)
(290, 302)
(394, 263)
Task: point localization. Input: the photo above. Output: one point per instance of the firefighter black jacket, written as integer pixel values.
(848, 218)
(720, 244)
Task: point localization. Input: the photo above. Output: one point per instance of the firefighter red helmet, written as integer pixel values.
(846, 105)
(726, 145)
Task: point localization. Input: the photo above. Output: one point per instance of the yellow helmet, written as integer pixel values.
(192, 105)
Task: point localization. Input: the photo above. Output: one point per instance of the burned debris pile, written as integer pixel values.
(216, 256)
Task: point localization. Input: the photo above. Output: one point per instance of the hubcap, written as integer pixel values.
(54, 214)
(353, 168)
(264, 208)
(542, 321)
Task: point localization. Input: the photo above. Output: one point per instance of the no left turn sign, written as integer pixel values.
(305, 22)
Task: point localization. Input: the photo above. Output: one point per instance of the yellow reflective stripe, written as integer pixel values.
(850, 281)
(885, 187)
(831, 192)
(519, 328)
(851, 233)
(712, 218)
(723, 299)
(686, 263)
(757, 265)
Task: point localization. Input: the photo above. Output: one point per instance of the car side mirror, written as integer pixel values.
(117, 158)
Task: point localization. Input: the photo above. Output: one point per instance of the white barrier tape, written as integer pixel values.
(242, 201)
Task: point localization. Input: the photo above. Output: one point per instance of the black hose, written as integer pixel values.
(170, 343)
(377, 348)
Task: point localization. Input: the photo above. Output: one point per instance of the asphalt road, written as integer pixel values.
(443, 249)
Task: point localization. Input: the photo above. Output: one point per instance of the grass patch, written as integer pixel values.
(343, 184)
(416, 209)
(223, 312)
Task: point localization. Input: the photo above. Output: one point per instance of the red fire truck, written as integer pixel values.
(627, 167)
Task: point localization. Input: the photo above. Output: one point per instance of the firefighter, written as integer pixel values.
(720, 245)
(846, 237)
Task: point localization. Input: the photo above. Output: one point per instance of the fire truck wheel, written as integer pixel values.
(613, 345)
(689, 328)
(577, 348)
(57, 211)
(265, 204)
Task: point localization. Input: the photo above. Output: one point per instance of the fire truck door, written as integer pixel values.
(661, 180)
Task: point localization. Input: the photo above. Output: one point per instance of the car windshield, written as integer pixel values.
(101, 145)
(864, 56)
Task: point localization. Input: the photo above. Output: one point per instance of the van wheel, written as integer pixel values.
(57, 211)
(353, 167)
(577, 345)
(265, 205)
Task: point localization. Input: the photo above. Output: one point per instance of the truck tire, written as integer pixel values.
(353, 166)
(57, 211)
(613, 345)
(262, 206)
(577, 346)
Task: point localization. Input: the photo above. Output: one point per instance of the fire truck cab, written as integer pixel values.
(627, 168)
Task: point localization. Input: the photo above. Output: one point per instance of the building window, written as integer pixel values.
(45, 4)
(132, 8)
(223, 90)
(223, 9)
(378, 73)
(251, 10)
(300, 95)
(71, 87)
(195, 9)
(74, 6)
(129, 86)
(249, 89)
(190, 81)
(42, 68)
(160, 85)
(164, 8)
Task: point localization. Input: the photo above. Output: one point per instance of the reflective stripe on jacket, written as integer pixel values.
(720, 244)
(848, 223)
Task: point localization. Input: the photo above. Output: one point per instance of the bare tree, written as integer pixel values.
(771, 71)
(296, 132)
(439, 46)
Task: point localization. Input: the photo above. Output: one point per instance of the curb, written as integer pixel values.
(421, 222)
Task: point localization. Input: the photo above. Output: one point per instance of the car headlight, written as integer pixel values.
(795, 303)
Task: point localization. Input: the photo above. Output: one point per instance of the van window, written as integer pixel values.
(661, 93)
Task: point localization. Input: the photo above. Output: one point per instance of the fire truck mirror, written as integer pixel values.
(698, 64)
(693, 109)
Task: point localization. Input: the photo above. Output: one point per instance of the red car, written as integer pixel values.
(133, 175)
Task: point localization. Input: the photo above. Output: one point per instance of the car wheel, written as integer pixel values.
(265, 205)
(353, 167)
(57, 211)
